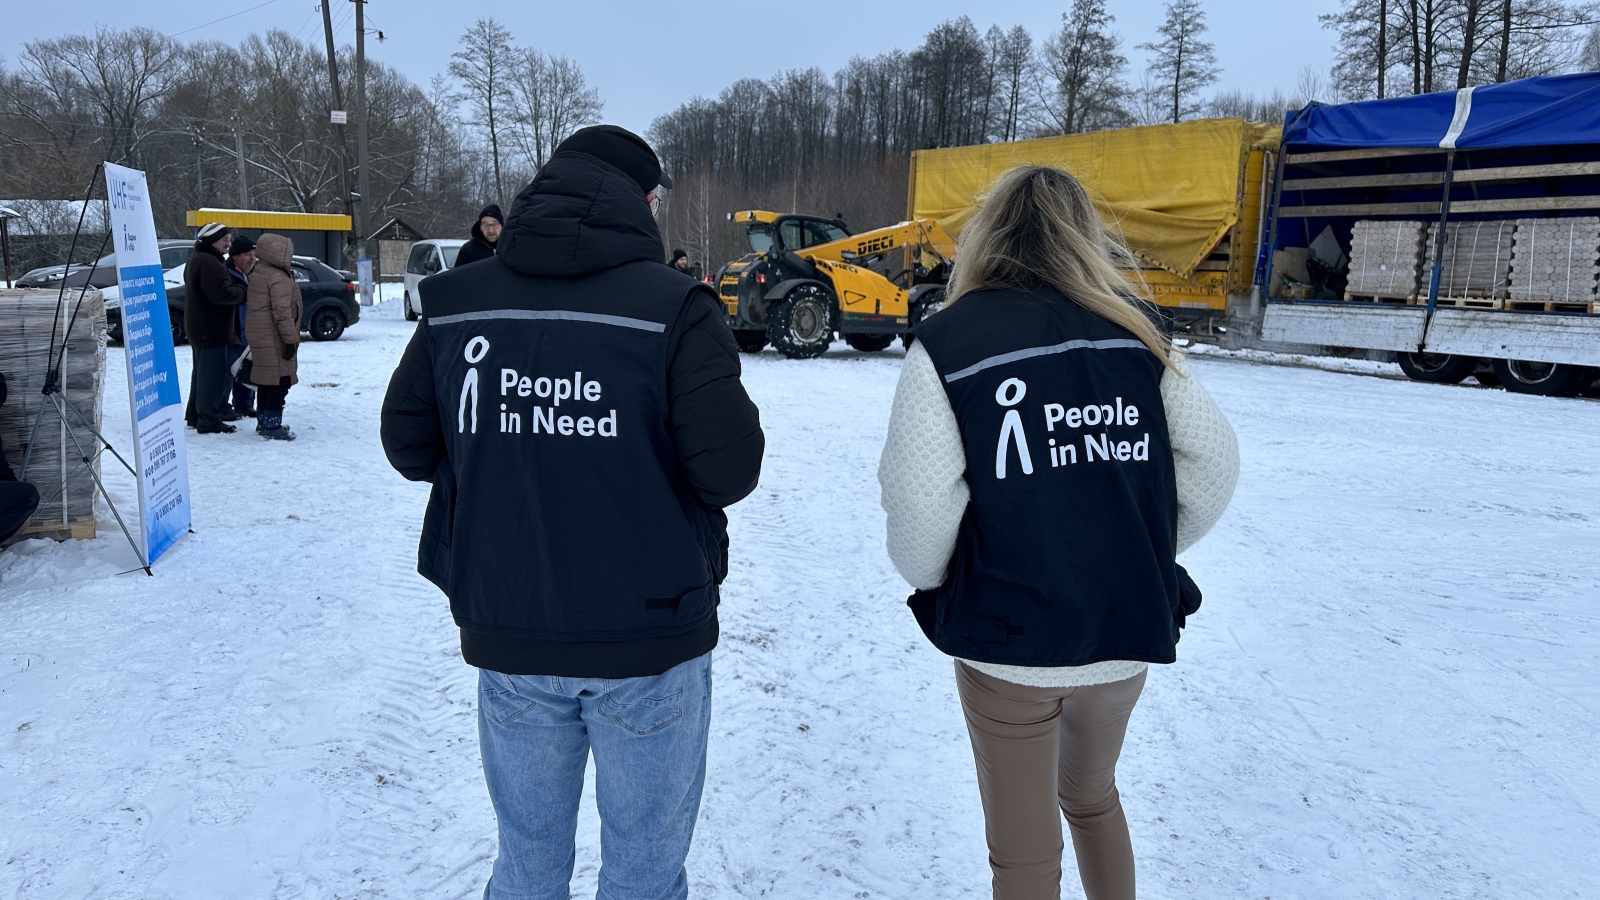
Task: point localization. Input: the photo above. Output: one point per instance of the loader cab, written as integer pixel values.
(793, 233)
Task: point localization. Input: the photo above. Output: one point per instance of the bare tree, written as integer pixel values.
(1015, 88)
(550, 99)
(1182, 63)
(484, 66)
(118, 75)
(1083, 82)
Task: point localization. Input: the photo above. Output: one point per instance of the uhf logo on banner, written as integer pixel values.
(162, 462)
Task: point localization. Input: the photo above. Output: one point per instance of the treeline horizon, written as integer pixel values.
(802, 140)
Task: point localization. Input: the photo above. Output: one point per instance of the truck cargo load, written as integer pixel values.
(1466, 221)
(1187, 198)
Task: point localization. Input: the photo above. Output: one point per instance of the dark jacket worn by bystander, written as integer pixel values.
(211, 299)
(577, 407)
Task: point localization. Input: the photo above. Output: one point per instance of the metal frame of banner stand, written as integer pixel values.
(58, 399)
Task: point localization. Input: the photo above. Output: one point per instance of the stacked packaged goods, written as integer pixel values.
(66, 486)
(1385, 258)
(1554, 260)
(1477, 259)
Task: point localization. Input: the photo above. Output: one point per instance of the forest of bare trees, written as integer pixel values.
(182, 112)
(191, 114)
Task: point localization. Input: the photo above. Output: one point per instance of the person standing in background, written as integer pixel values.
(1048, 456)
(210, 298)
(241, 260)
(274, 331)
(680, 261)
(485, 236)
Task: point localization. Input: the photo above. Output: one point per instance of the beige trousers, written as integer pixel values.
(1040, 749)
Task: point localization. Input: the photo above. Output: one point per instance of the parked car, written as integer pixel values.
(103, 273)
(330, 298)
(428, 257)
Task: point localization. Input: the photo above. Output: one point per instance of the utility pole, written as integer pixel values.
(364, 211)
(238, 150)
(338, 103)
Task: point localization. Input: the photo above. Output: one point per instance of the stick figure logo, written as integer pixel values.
(477, 349)
(1010, 393)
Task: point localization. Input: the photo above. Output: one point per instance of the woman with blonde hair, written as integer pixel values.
(1048, 457)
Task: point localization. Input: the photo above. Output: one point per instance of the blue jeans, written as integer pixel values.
(648, 736)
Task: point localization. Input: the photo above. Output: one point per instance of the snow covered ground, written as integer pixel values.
(1393, 689)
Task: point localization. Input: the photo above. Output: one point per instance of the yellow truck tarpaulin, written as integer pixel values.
(1175, 190)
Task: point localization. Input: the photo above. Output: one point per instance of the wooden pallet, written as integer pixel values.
(1379, 298)
(82, 528)
(1465, 302)
(1582, 306)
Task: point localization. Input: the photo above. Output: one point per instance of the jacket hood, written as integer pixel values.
(275, 250)
(581, 215)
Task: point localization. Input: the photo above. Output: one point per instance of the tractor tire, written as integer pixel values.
(1437, 368)
(869, 343)
(801, 325)
(750, 341)
(931, 302)
(1542, 379)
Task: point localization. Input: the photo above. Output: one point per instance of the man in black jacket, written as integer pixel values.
(485, 236)
(577, 407)
(210, 317)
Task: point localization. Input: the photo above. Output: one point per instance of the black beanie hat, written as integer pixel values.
(621, 148)
(679, 254)
(241, 244)
(492, 211)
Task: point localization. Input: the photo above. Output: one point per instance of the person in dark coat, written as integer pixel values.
(241, 261)
(210, 316)
(577, 406)
(18, 499)
(680, 261)
(485, 236)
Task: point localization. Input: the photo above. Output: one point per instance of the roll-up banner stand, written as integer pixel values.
(162, 461)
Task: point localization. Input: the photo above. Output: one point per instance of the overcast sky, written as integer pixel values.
(646, 58)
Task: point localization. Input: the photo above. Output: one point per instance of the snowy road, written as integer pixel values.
(1393, 689)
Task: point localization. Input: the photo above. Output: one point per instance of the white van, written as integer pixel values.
(428, 257)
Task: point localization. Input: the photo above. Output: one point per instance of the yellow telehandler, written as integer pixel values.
(807, 278)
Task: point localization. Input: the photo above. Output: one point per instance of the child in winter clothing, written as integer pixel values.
(1046, 561)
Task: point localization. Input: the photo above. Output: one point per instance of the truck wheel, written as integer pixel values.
(869, 343)
(931, 302)
(1437, 368)
(750, 341)
(327, 324)
(1544, 379)
(801, 326)
(411, 314)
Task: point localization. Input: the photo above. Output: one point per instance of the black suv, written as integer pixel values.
(329, 298)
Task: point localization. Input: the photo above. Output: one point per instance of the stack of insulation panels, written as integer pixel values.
(1477, 259)
(66, 486)
(1554, 260)
(1385, 258)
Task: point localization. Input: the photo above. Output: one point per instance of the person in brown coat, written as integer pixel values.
(272, 325)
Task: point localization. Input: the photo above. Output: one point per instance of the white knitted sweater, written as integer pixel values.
(922, 473)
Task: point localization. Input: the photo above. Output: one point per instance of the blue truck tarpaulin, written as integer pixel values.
(1555, 109)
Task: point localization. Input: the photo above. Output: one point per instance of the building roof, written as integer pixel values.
(278, 221)
(55, 217)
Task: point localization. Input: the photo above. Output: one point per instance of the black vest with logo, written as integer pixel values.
(561, 513)
(1066, 552)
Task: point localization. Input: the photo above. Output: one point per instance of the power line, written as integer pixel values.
(223, 19)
